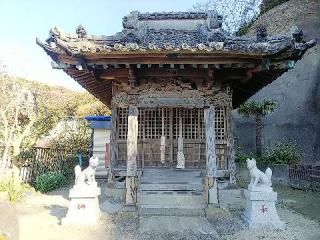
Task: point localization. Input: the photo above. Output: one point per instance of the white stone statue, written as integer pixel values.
(84, 205)
(87, 176)
(260, 209)
(259, 181)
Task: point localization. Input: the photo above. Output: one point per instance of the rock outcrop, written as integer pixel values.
(298, 91)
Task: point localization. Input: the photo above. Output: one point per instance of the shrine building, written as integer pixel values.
(171, 81)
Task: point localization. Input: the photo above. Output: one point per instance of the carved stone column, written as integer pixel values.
(132, 150)
(181, 162)
(211, 189)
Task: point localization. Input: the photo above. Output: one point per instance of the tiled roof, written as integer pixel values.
(172, 15)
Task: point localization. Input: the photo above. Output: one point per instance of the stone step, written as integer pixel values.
(171, 187)
(177, 199)
(222, 185)
(162, 225)
(159, 210)
(101, 172)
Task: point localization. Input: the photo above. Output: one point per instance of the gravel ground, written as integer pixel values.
(40, 216)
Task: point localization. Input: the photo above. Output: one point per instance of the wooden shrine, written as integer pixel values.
(172, 80)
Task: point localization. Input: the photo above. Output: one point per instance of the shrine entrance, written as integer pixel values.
(168, 124)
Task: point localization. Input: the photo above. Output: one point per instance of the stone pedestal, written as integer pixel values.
(84, 206)
(260, 210)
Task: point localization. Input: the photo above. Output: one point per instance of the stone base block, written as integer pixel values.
(260, 210)
(84, 207)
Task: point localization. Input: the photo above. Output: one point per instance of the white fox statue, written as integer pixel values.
(259, 181)
(87, 176)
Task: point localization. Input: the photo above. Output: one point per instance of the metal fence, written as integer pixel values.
(304, 172)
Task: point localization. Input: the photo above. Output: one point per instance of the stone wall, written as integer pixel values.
(280, 174)
(298, 91)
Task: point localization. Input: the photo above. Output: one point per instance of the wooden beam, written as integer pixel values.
(187, 60)
(114, 73)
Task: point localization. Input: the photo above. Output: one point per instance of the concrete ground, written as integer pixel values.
(39, 216)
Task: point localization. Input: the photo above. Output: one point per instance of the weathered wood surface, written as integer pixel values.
(175, 99)
(181, 161)
(230, 147)
(113, 145)
(150, 132)
(131, 190)
(132, 141)
(211, 159)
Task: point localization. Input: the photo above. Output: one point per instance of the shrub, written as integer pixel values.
(15, 194)
(12, 186)
(281, 153)
(242, 157)
(284, 153)
(49, 181)
(68, 165)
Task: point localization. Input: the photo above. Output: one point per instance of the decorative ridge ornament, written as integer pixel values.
(262, 34)
(81, 32)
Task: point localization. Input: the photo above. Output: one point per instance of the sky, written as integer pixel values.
(21, 21)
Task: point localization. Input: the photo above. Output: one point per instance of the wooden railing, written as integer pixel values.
(304, 172)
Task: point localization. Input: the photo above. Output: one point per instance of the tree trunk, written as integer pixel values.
(259, 134)
(5, 157)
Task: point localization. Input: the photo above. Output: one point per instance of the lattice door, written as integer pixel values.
(155, 122)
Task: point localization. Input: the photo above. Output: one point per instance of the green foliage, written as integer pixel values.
(284, 153)
(52, 106)
(270, 4)
(281, 153)
(59, 161)
(75, 138)
(242, 157)
(243, 29)
(67, 167)
(262, 108)
(50, 181)
(12, 186)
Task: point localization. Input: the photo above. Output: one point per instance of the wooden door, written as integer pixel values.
(154, 122)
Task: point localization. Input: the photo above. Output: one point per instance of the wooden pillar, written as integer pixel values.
(181, 161)
(132, 151)
(211, 189)
(230, 147)
(113, 145)
(162, 140)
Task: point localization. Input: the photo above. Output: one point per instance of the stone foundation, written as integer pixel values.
(260, 210)
(84, 206)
